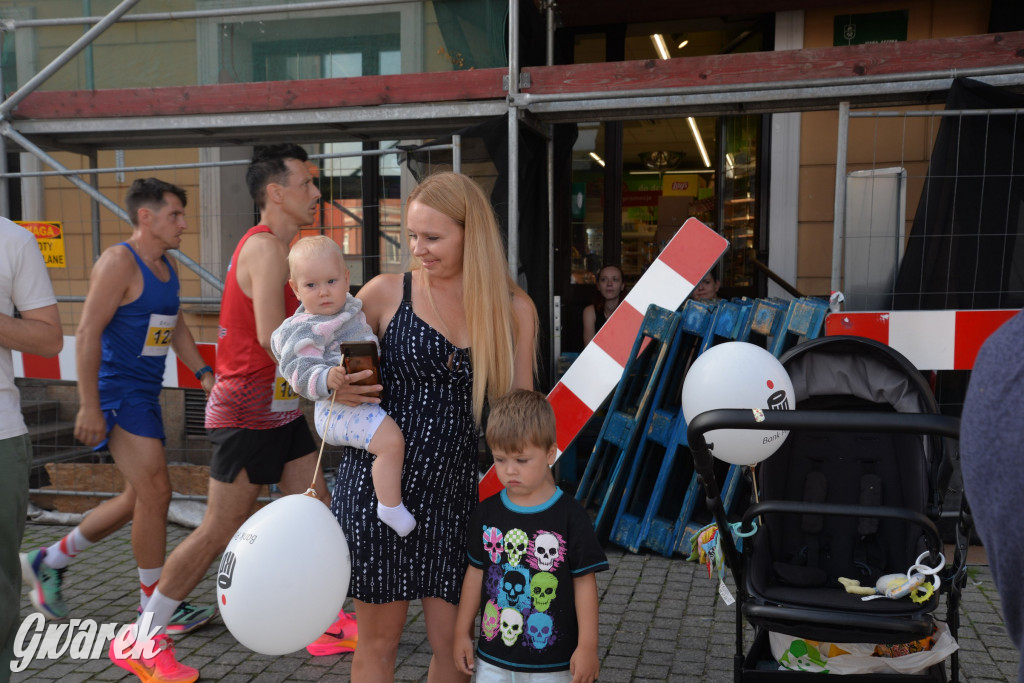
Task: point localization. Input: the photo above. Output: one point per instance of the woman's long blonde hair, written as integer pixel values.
(487, 286)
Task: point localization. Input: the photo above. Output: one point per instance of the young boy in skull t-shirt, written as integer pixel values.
(532, 558)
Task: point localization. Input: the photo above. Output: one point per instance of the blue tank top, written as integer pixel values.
(137, 338)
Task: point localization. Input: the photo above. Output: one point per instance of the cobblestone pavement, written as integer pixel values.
(661, 620)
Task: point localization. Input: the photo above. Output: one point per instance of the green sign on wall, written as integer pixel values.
(874, 27)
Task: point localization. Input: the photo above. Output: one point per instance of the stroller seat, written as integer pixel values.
(799, 558)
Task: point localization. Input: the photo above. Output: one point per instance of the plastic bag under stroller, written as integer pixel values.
(799, 654)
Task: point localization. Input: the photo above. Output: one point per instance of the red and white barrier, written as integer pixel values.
(62, 367)
(931, 340)
(687, 257)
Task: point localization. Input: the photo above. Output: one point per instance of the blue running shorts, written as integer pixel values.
(136, 415)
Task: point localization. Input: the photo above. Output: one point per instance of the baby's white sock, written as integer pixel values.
(398, 518)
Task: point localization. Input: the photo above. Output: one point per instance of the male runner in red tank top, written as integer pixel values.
(259, 435)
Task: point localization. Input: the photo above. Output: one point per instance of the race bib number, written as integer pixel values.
(285, 398)
(158, 336)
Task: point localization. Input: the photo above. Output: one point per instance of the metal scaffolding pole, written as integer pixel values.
(12, 24)
(65, 57)
(205, 164)
(839, 208)
(549, 59)
(5, 200)
(864, 114)
(513, 138)
(200, 300)
(94, 207)
(8, 131)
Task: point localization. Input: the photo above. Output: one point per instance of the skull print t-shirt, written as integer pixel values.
(529, 557)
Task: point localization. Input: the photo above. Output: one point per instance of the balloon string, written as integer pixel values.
(323, 442)
(753, 481)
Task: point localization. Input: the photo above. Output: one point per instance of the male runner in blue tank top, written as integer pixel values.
(129, 321)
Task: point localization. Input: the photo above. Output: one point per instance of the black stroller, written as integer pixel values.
(854, 492)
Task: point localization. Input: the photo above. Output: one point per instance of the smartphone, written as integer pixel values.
(359, 356)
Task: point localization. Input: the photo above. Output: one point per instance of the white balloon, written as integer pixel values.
(738, 375)
(284, 576)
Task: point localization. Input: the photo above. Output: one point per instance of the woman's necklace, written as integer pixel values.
(455, 358)
(437, 313)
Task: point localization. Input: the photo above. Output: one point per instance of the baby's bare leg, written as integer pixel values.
(388, 445)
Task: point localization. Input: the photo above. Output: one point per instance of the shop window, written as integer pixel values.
(740, 203)
(326, 58)
(400, 38)
(359, 41)
(588, 219)
(668, 176)
(345, 213)
(392, 237)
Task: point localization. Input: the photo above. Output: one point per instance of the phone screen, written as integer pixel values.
(361, 356)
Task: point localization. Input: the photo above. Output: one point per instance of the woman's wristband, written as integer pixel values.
(202, 371)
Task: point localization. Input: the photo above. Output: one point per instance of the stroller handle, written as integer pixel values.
(831, 420)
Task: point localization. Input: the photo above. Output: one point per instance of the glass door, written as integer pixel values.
(740, 205)
(588, 203)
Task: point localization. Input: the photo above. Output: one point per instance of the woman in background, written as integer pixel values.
(609, 295)
(707, 289)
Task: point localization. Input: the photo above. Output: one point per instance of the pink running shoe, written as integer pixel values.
(341, 636)
(162, 667)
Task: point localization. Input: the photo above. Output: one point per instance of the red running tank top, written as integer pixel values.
(244, 392)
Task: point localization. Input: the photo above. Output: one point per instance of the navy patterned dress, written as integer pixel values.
(428, 388)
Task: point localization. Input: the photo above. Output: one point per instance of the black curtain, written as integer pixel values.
(964, 249)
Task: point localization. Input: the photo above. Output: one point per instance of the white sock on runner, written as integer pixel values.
(147, 584)
(162, 608)
(60, 554)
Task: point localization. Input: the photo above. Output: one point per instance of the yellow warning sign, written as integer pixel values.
(50, 236)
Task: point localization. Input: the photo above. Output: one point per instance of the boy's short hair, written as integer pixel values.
(315, 245)
(520, 419)
(149, 192)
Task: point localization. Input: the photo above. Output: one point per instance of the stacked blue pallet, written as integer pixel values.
(640, 475)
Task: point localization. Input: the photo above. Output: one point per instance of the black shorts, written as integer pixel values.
(262, 452)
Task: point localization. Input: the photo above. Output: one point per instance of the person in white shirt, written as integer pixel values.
(25, 287)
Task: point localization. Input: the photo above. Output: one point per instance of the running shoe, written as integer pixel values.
(188, 618)
(45, 583)
(341, 636)
(162, 667)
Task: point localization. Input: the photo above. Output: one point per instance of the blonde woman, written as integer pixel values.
(454, 332)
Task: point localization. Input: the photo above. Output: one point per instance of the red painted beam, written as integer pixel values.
(230, 98)
(485, 84)
(784, 65)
